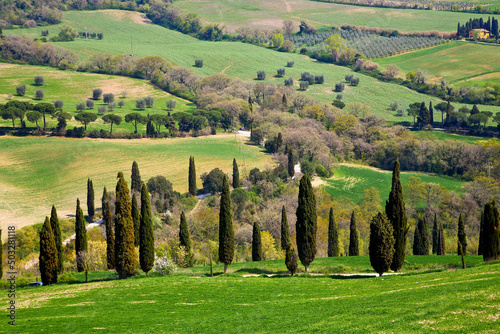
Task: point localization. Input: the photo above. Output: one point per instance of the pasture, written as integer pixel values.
(36, 173)
(441, 135)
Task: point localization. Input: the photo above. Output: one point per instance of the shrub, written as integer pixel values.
(370, 66)
(261, 75)
(303, 51)
(171, 104)
(289, 82)
(164, 266)
(39, 94)
(355, 81)
(198, 63)
(124, 94)
(90, 104)
(121, 103)
(303, 85)
(150, 101)
(306, 76)
(319, 79)
(108, 98)
(39, 80)
(58, 104)
(29, 24)
(140, 104)
(321, 171)
(287, 46)
(400, 112)
(359, 64)
(21, 90)
(339, 86)
(349, 77)
(66, 277)
(97, 93)
(281, 72)
(339, 96)
(394, 106)
(339, 104)
(290, 64)
(80, 106)
(102, 109)
(112, 106)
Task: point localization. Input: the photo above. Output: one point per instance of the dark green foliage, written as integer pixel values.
(333, 236)
(147, 239)
(396, 213)
(462, 238)
(435, 234)
(285, 229)
(256, 243)
(125, 259)
(56, 230)
(491, 232)
(104, 198)
(291, 259)
(424, 116)
(90, 199)
(136, 218)
(184, 237)
(213, 181)
(80, 236)
(431, 113)
(421, 238)
(441, 241)
(136, 184)
(1, 255)
(226, 230)
(306, 222)
(381, 246)
(291, 166)
(236, 175)
(481, 235)
(48, 254)
(110, 236)
(192, 176)
(353, 237)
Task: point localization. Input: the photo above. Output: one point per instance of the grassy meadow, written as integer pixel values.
(36, 172)
(441, 135)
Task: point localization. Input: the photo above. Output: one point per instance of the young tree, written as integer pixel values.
(291, 166)
(136, 218)
(80, 235)
(192, 176)
(135, 118)
(435, 236)
(291, 259)
(184, 237)
(461, 237)
(441, 241)
(147, 240)
(110, 237)
(86, 118)
(491, 232)
(96, 93)
(396, 213)
(256, 243)
(236, 175)
(136, 183)
(226, 231)
(306, 222)
(56, 230)
(90, 200)
(381, 246)
(353, 237)
(48, 254)
(285, 230)
(125, 258)
(421, 238)
(333, 236)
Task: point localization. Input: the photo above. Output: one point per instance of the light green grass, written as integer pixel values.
(440, 135)
(36, 173)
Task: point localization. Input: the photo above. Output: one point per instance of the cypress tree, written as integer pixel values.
(184, 237)
(431, 113)
(90, 199)
(291, 166)
(110, 237)
(381, 246)
(48, 254)
(285, 230)
(462, 238)
(441, 241)
(396, 213)
(147, 239)
(256, 243)
(435, 235)
(491, 235)
(56, 230)
(333, 236)
(481, 235)
(236, 175)
(279, 141)
(306, 222)
(125, 258)
(192, 176)
(136, 218)
(291, 259)
(80, 236)
(226, 230)
(104, 198)
(353, 237)
(136, 178)
(421, 238)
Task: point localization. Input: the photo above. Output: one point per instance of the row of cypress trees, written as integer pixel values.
(51, 249)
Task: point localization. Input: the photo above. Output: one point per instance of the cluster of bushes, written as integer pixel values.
(85, 34)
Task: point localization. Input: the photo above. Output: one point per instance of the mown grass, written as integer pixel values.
(462, 301)
(36, 173)
(440, 135)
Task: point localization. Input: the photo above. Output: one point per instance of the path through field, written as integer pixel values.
(288, 7)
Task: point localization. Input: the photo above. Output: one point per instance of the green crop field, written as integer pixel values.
(38, 172)
(350, 181)
(461, 301)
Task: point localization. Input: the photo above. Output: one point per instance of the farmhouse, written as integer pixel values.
(482, 33)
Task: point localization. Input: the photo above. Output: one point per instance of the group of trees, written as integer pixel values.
(478, 23)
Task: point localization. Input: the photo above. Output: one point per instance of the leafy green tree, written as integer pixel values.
(421, 238)
(435, 236)
(441, 241)
(85, 118)
(147, 240)
(256, 243)
(461, 237)
(285, 230)
(213, 181)
(226, 230)
(45, 108)
(291, 259)
(192, 176)
(306, 222)
(80, 236)
(48, 254)
(236, 175)
(353, 237)
(90, 199)
(381, 246)
(184, 237)
(333, 236)
(112, 119)
(335, 44)
(34, 117)
(491, 232)
(277, 40)
(110, 236)
(10, 113)
(424, 116)
(136, 218)
(136, 183)
(135, 118)
(56, 230)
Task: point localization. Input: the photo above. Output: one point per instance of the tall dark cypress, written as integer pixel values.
(80, 236)
(56, 230)
(421, 238)
(353, 237)
(184, 237)
(291, 166)
(306, 222)
(491, 232)
(481, 235)
(104, 198)
(333, 236)
(441, 241)
(48, 254)
(285, 229)
(192, 176)
(147, 239)
(136, 184)
(256, 243)
(396, 213)
(236, 175)
(291, 259)
(226, 230)
(125, 258)
(435, 236)
(110, 236)
(279, 140)
(381, 245)
(136, 218)
(431, 113)
(461, 237)
(90, 199)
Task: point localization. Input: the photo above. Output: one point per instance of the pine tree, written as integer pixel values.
(236, 175)
(462, 238)
(435, 236)
(256, 243)
(441, 241)
(184, 237)
(110, 236)
(421, 238)
(306, 222)
(491, 232)
(104, 198)
(226, 230)
(56, 230)
(333, 236)
(381, 245)
(353, 237)
(48, 254)
(396, 213)
(136, 184)
(147, 239)
(125, 258)
(192, 176)
(291, 259)
(136, 218)
(80, 236)
(285, 229)
(291, 166)
(90, 199)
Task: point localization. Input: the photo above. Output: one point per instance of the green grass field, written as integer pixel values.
(440, 135)
(38, 172)
(461, 301)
